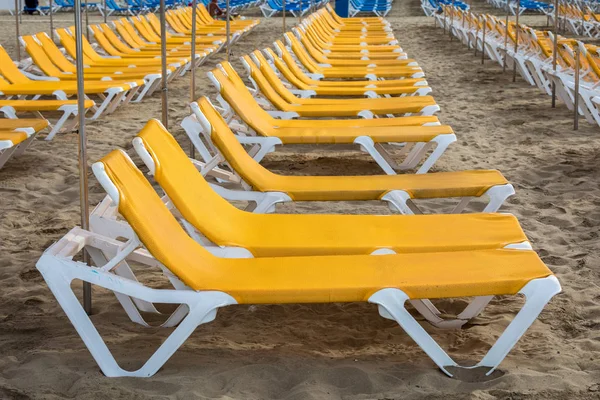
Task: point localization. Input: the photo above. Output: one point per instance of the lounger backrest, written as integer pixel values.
(103, 41)
(299, 51)
(124, 33)
(223, 138)
(54, 53)
(9, 70)
(130, 29)
(68, 42)
(154, 22)
(39, 57)
(243, 103)
(286, 56)
(113, 38)
(309, 48)
(174, 22)
(153, 223)
(273, 89)
(284, 70)
(149, 35)
(197, 202)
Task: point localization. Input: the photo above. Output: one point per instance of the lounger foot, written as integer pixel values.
(59, 271)
(537, 292)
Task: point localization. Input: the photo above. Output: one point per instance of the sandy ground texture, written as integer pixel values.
(335, 350)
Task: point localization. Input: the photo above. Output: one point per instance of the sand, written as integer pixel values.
(322, 351)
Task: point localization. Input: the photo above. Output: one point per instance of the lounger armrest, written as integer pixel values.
(305, 94)
(39, 77)
(283, 114)
(265, 202)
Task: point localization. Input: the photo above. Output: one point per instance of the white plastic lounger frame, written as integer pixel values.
(398, 200)
(68, 110)
(413, 153)
(9, 149)
(198, 307)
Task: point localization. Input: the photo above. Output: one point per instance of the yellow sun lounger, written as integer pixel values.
(131, 48)
(344, 61)
(344, 25)
(10, 108)
(177, 20)
(370, 134)
(350, 22)
(146, 31)
(299, 88)
(204, 16)
(16, 83)
(217, 42)
(16, 135)
(91, 57)
(399, 191)
(266, 235)
(286, 101)
(122, 50)
(354, 37)
(329, 71)
(49, 60)
(210, 282)
(351, 52)
(311, 78)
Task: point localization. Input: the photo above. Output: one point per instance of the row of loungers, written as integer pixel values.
(124, 67)
(534, 59)
(215, 254)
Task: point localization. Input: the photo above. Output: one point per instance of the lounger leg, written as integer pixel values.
(443, 141)
(498, 195)
(67, 112)
(391, 306)
(5, 155)
(192, 128)
(106, 100)
(130, 305)
(59, 273)
(266, 145)
(538, 293)
(368, 145)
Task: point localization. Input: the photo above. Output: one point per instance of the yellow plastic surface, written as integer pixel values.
(382, 130)
(14, 137)
(285, 100)
(11, 124)
(41, 105)
(343, 188)
(313, 279)
(281, 235)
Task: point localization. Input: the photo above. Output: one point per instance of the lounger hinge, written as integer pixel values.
(128, 247)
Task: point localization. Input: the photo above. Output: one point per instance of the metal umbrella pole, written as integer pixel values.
(17, 30)
(284, 27)
(87, 21)
(20, 11)
(193, 69)
(516, 41)
(476, 33)
(83, 165)
(554, 51)
(451, 20)
(227, 28)
(51, 20)
(506, 38)
(576, 96)
(444, 26)
(483, 40)
(105, 10)
(163, 61)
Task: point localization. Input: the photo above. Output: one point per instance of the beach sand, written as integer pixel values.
(335, 350)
